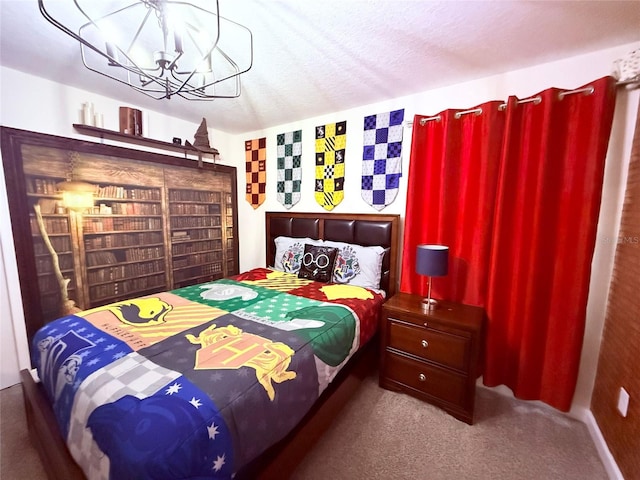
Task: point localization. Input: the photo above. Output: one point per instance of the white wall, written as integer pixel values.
(10, 305)
(60, 106)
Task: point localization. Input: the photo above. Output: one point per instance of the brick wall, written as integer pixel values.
(619, 362)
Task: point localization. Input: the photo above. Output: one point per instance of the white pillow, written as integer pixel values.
(357, 265)
(289, 252)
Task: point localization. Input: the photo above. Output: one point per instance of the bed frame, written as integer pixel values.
(279, 461)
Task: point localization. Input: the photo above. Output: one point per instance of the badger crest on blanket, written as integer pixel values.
(231, 348)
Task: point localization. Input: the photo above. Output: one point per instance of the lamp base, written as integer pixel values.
(429, 304)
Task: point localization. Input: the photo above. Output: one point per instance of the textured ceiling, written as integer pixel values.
(317, 57)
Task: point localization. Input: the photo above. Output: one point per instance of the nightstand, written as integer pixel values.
(432, 355)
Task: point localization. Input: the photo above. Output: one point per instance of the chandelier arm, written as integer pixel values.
(233, 64)
(197, 93)
(137, 70)
(150, 78)
(69, 32)
(250, 42)
(146, 92)
(231, 61)
(184, 87)
(108, 15)
(164, 82)
(236, 75)
(172, 66)
(94, 23)
(135, 37)
(195, 41)
(215, 47)
(110, 60)
(205, 97)
(199, 90)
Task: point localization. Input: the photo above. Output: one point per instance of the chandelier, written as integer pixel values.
(160, 48)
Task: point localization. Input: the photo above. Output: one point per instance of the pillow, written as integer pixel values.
(317, 263)
(289, 251)
(357, 265)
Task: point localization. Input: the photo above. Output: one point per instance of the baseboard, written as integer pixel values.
(610, 465)
(585, 416)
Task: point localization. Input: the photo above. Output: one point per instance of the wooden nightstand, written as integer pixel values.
(435, 355)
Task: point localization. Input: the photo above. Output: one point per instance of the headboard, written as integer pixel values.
(365, 229)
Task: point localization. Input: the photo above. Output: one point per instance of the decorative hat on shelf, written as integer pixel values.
(201, 142)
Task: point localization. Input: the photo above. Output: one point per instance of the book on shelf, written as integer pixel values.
(42, 186)
(125, 288)
(95, 259)
(51, 225)
(194, 196)
(116, 191)
(105, 209)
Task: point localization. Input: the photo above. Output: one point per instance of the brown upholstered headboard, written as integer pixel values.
(365, 229)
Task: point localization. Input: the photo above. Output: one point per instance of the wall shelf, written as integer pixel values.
(150, 142)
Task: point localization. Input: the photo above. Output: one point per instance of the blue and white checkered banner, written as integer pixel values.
(382, 158)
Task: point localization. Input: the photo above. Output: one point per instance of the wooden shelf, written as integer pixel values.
(124, 137)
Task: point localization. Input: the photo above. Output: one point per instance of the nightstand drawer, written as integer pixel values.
(434, 381)
(442, 348)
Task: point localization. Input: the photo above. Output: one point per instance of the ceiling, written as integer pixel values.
(316, 57)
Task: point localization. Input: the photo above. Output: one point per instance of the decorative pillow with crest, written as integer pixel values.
(289, 251)
(357, 264)
(317, 263)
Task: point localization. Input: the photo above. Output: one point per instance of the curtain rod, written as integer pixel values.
(588, 90)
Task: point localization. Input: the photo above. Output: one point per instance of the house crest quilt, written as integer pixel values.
(197, 382)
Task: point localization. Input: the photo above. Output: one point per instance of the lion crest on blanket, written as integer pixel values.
(231, 348)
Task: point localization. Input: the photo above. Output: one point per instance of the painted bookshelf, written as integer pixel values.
(54, 228)
(152, 228)
(196, 236)
(124, 245)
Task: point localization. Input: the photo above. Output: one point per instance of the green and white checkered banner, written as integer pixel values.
(289, 167)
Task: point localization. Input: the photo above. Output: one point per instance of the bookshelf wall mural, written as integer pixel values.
(156, 223)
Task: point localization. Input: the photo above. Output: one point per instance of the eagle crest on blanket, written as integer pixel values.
(231, 348)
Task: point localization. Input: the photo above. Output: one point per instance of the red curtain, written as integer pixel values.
(544, 234)
(450, 199)
(524, 247)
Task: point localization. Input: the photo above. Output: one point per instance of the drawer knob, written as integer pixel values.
(422, 377)
(425, 344)
(425, 324)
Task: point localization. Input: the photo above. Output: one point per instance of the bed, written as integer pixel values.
(221, 411)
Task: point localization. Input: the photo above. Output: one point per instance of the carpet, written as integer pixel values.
(387, 435)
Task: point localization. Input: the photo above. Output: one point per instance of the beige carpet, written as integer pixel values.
(18, 459)
(386, 435)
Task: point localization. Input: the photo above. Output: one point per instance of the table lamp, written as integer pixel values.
(432, 261)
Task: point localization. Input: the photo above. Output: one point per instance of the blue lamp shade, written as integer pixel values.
(432, 260)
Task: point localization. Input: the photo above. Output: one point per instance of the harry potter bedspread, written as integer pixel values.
(196, 382)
